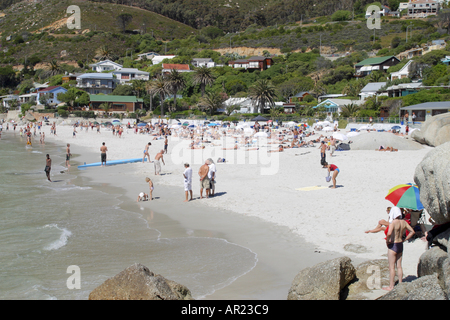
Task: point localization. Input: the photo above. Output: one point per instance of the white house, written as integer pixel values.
(159, 59)
(402, 73)
(203, 62)
(147, 55)
(105, 65)
(245, 104)
(371, 89)
(8, 100)
(126, 75)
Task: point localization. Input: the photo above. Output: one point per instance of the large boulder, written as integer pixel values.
(324, 281)
(366, 274)
(137, 282)
(424, 288)
(431, 262)
(434, 131)
(432, 175)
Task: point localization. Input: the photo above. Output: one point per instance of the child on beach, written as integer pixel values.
(142, 197)
(150, 185)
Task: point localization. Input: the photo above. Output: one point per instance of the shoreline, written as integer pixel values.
(280, 253)
(332, 221)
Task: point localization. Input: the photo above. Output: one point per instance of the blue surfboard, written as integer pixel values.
(111, 162)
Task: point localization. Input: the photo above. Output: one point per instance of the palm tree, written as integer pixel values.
(203, 76)
(158, 87)
(52, 69)
(262, 93)
(103, 53)
(175, 82)
(349, 110)
(212, 101)
(105, 107)
(138, 87)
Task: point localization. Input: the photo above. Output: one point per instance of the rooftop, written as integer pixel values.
(372, 61)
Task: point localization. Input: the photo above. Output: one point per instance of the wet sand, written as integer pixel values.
(280, 254)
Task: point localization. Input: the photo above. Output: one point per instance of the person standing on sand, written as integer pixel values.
(335, 169)
(166, 143)
(68, 155)
(151, 187)
(394, 242)
(212, 175)
(187, 174)
(103, 150)
(48, 166)
(323, 148)
(158, 157)
(146, 152)
(332, 146)
(204, 180)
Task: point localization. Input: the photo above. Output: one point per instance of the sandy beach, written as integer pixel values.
(286, 189)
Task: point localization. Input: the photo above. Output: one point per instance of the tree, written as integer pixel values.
(124, 20)
(203, 76)
(212, 101)
(262, 93)
(349, 110)
(175, 82)
(103, 53)
(53, 68)
(158, 87)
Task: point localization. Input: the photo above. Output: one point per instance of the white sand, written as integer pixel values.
(266, 185)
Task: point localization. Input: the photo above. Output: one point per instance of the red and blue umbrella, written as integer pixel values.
(405, 196)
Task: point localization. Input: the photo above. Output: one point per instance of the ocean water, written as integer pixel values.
(48, 227)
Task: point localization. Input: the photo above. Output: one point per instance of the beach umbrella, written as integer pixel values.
(405, 196)
(142, 124)
(261, 134)
(339, 136)
(191, 126)
(212, 124)
(352, 134)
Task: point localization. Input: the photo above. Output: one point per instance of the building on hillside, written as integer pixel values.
(402, 73)
(252, 63)
(95, 83)
(105, 65)
(422, 8)
(168, 67)
(159, 59)
(371, 89)
(116, 104)
(147, 55)
(403, 89)
(28, 98)
(126, 75)
(245, 104)
(369, 65)
(70, 77)
(203, 62)
(9, 100)
(50, 95)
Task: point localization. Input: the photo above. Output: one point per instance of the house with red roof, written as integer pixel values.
(50, 95)
(168, 67)
(252, 63)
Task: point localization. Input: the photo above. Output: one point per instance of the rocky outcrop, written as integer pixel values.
(137, 282)
(435, 130)
(423, 288)
(432, 176)
(324, 281)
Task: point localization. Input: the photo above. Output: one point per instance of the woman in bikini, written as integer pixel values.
(394, 242)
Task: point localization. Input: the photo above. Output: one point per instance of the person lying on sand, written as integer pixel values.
(386, 149)
(280, 149)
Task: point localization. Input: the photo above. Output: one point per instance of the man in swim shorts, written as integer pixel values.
(68, 155)
(158, 157)
(103, 150)
(48, 166)
(204, 181)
